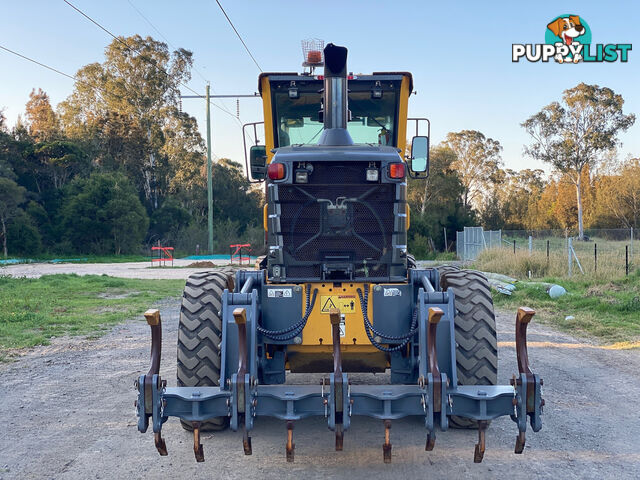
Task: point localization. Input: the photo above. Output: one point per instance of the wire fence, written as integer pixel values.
(600, 252)
(606, 253)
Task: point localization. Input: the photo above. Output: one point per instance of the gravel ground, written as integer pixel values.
(67, 412)
(180, 269)
(142, 270)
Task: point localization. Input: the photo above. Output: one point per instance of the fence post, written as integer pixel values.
(626, 259)
(547, 251)
(514, 247)
(446, 248)
(595, 257)
(569, 251)
(530, 244)
(631, 245)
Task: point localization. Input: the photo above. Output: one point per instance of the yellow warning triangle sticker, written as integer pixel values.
(328, 305)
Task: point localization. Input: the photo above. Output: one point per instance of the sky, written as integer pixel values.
(458, 52)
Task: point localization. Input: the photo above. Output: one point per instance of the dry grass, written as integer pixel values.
(611, 264)
(604, 304)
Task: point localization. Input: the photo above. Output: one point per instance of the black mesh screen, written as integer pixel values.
(359, 232)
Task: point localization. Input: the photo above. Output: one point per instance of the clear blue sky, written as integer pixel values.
(458, 52)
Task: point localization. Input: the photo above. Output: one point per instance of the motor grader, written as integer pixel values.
(337, 291)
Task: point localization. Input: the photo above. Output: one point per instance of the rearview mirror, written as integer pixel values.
(420, 154)
(294, 122)
(258, 162)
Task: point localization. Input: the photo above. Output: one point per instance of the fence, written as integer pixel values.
(473, 240)
(603, 251)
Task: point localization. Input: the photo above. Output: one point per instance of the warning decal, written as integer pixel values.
(344, 303)
(279, 293)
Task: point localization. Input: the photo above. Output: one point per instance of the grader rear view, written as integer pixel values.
(338, 292)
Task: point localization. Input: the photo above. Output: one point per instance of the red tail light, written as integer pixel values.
(276, 171)
(396, 170)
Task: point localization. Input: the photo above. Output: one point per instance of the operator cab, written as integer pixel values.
(297, 103)
(336, 182)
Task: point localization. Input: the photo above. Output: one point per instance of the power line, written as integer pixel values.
(38, 63)
(142, 56)
(200, 74)
(76, 79)
(162, 35)
(234, 29)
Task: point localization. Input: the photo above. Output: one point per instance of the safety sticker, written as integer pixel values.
(344, 303)
(279, 293)
(392, 292)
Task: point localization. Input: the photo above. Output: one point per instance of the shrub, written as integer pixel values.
(23, 237)
(103, 214)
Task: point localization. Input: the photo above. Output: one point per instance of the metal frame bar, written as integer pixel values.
(433, 397)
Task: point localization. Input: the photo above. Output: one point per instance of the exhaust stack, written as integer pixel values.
(336, 97)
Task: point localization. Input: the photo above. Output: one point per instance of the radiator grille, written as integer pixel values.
(368, 223)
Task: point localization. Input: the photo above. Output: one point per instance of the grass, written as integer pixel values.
(32, 311)
(440, 256)
(611, 264)
(605, 304)
(85, 258)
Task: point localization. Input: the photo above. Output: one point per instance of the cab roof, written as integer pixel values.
(287, 76)
(339, 153)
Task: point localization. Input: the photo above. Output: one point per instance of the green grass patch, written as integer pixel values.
(443, 256)
(32, 311)
(79, 258)
(606, 309)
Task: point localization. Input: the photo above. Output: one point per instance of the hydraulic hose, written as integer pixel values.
(371, 331)
(294, 330)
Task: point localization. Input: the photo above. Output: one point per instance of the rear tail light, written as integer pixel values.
(396, 170)
(276, 171)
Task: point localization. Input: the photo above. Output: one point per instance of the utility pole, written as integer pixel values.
(209, 176)
(208, 97)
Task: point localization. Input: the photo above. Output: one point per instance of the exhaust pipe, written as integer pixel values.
(336, 97)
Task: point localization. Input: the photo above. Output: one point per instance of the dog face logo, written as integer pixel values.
(567, 28)
(568, 32)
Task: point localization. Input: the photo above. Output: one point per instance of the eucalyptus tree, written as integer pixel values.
(575, 134)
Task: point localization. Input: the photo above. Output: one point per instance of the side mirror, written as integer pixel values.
(420, 154)
(258, 162)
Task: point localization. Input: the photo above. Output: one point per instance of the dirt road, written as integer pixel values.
(66, 412)
(144, 270)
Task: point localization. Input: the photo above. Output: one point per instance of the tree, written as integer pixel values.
(233, 198)
(167, 220)
(575, 134)
(103, 214)
(436, 204)
(12, 196)
(513, 197)
(477, 160)
(60, 160)
(134, 111)
(42, 120)
(618, 197)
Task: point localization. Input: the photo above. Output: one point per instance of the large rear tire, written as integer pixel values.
(200, 335)
(475, 331)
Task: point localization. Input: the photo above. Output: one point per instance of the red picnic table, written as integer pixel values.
(236, 252)
(165, 254)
